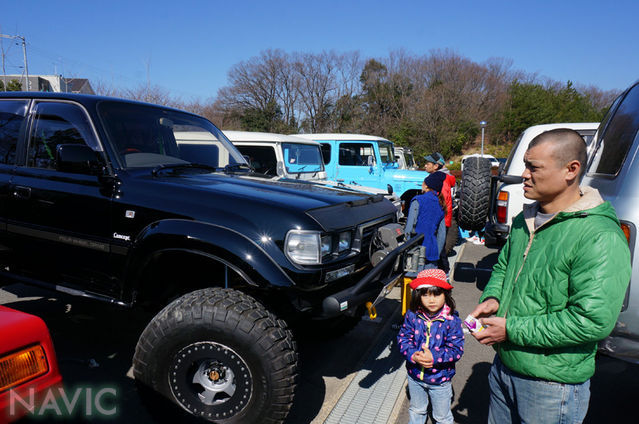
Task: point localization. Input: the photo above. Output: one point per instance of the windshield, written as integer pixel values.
(149, 136)
(386, 152)
(302, 158)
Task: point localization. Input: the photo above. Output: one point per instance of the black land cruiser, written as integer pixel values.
(137, 204)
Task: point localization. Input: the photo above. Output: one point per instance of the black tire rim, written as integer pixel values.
(210, 380)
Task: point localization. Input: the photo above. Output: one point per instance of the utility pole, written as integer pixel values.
(24, 51)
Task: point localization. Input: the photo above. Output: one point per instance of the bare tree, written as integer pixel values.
(317, 87)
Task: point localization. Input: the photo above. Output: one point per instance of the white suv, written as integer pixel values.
(509, 199)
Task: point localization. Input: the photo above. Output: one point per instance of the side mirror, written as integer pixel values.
(511, 179)
(77, 159)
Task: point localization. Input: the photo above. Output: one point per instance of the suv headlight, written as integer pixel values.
(304, 247)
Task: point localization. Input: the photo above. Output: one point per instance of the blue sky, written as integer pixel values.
(188, 46)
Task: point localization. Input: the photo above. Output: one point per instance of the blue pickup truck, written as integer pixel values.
(366, 160)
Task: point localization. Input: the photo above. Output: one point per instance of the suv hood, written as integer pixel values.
(407, 175)
(246, 195)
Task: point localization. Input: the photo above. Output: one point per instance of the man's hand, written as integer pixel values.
(425, 359)
(486, 308)
(495, 331)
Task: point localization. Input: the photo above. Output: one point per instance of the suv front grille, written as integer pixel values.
(365, 233)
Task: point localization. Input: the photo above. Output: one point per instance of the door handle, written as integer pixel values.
(21, 192)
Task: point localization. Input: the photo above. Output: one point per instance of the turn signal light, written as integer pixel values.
(21, 366)
(626, 231)
(502, 207)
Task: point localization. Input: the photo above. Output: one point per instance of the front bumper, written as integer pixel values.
(374, 286)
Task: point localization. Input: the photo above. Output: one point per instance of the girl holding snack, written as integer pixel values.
(431, 341)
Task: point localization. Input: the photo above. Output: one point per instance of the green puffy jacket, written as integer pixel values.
(560, 288)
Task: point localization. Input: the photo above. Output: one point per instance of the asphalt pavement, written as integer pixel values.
(356, 378)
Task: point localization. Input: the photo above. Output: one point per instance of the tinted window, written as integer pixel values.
(326, 153)
(618, 135)
(148, 136)
(55, 124)
(355, 154)
(261, 158)
(12, 114)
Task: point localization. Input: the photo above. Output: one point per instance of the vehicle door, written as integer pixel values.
(59, 221)
(12, 124)
(357, 163)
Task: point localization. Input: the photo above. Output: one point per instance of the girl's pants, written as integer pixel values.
(440, 397)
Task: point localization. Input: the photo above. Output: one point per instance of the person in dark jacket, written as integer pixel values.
(448, 227)
(425, 213)
(431, 341)
(557, 289)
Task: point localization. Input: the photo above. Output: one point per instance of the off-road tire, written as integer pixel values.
(228, 342)
(474, 198)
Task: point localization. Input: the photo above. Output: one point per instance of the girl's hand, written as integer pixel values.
(425, 359)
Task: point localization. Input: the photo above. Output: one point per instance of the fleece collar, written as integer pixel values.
(590, 198)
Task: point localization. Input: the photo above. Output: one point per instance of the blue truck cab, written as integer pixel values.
(366, 160)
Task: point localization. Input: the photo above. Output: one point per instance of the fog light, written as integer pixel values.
(344, 241)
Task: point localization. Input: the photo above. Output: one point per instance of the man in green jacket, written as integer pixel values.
(556, 290)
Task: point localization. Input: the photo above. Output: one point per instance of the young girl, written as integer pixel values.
(431, 340)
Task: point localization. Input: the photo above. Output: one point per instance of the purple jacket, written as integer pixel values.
(442, 334)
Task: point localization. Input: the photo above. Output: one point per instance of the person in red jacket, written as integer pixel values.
(435, 163)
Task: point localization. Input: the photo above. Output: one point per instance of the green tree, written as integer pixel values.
(531, 104)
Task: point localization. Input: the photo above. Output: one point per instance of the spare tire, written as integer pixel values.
(474, 198)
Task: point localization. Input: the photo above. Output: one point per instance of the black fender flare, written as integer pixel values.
(222, 244)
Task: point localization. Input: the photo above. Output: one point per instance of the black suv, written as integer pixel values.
(137, 204)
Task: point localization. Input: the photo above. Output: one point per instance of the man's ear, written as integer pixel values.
(573, 167)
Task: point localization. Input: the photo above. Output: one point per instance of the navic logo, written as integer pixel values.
(86, 401)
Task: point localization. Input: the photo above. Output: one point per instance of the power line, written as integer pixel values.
(24, 51)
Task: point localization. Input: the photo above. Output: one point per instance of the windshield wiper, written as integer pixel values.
(235, 167)
(170, 166)
(299, 171)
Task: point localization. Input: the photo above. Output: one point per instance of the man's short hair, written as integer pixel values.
(569, 146)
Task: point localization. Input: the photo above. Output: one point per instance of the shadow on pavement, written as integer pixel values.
(472, 405)
(380, 367)
(323, 361)
(613, 392)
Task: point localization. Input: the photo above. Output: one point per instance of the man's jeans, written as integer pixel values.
(515, 398)
(440, 397)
